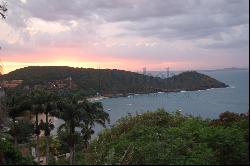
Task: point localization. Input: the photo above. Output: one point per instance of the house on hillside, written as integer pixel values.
(61, 84)
(11, 83)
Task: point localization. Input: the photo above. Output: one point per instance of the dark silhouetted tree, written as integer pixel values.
(3, 9)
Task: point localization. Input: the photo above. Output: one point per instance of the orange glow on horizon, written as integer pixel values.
(77, 58)
(121, 64)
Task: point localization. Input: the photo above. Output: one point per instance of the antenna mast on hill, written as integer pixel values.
(144, 70)
(168, 71)
(99, 80)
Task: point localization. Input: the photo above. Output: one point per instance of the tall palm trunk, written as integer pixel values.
(2, 158)
(15, 141)
(72, 142)
(14, 132)
(47, 150)
(74, 154)
(37, 141)
(37, 149)
(47, 139)
(71, 149)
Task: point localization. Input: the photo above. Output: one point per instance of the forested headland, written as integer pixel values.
(111, 82)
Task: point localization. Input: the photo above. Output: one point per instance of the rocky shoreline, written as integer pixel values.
(105, 96)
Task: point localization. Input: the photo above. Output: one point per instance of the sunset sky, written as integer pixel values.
(126, 34)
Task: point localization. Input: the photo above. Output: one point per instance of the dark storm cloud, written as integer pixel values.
(162, 19)
(110, 10)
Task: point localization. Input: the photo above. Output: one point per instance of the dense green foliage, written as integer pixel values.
(74, 109)
(109, 81)
(78, 113)
(23, 131)
(9, 155)
(165, 138)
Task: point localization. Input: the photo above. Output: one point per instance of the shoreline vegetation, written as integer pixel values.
(97, 98)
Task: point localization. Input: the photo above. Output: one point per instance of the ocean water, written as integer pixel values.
(206, 103)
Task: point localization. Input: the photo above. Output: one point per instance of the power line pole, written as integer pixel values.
(144, 70)
(168, 71)
(99, 80)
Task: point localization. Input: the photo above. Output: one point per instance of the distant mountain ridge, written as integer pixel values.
(112, 81)
(227, 69)
(199, 70)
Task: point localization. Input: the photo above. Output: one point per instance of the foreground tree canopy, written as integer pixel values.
(75, 110)
(9, 155)
(163, 138)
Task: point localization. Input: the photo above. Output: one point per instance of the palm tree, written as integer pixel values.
(16, 107)
(37, 105)
(14, 112)
(43, 102)
(50, 106)
(54, 146)
(93, 114)
(81, 114)
(70, 111)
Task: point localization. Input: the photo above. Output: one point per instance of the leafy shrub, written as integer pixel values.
(170, 138)
(12, 156)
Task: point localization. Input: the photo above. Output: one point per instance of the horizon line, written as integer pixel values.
(150, 70)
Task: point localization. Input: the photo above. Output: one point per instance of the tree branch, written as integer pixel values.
(2, 15)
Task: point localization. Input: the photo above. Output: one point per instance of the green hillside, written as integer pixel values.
(162, 138)
(107, 81)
